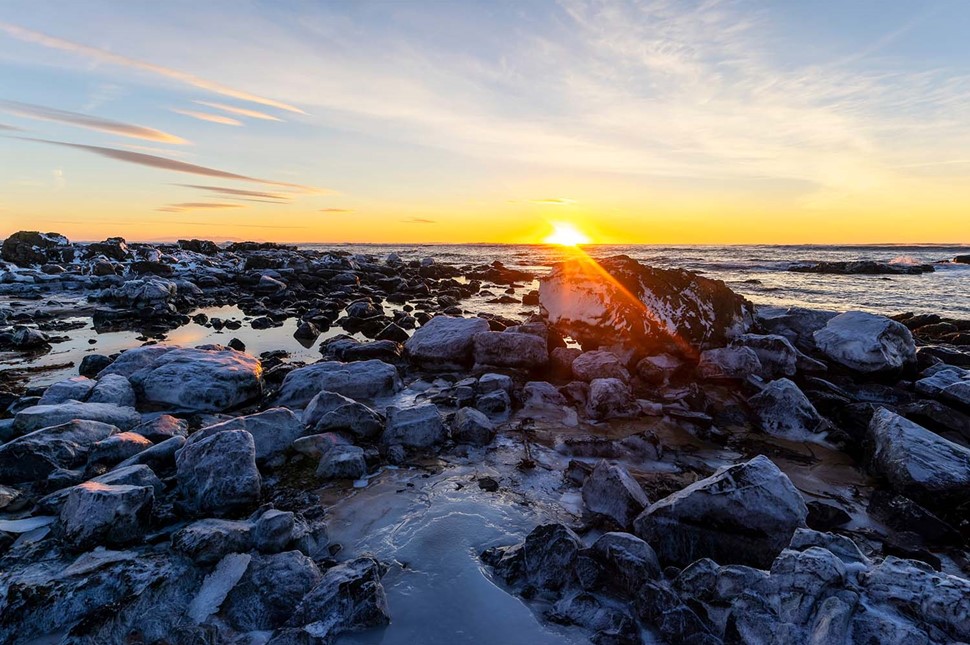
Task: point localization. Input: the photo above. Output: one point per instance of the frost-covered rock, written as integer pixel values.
(342, 462)
(199, 380)
(419, 427)
(358, 380)
(778, 357)
(610, 398)
(866, 343)
(783, 410)
(217, 585)
(117, 448)
(734, 362)
(504, 349)
(26, 248)
(273, 430)
(545, 560)
(744, 514)
(349, 598)
(209, 540)
(473, 427)
(623, 301)
(329, 412)
(136, 475)
(36, 455)
(96, 514)
(918, 463)
(76, 388)
(45, 416)
(272, 587)
(617, 561)
(611, 491)
(797, 324)
(599, 364)
(445, 342)
(218, 475)
(113, 388)
(135, 359)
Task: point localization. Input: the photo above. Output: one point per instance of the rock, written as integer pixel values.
(918, 463)
(208, 541)
(144, 292)
(610, 398)
(160, 457)
(471, 426)
(743, 514)
(359, 380)
(76, 388)
(205, 247)
(797, 324)
(349, 598)
(113, 388)
(272, 587)
(273, 531)
(393, 332)
(494, 404)
(162, 427)
(217, 586)
(419, 427)
(114, 248)
(515, 350)
(117, 448)
(199, 380)
(34, 456)
(608, 621)
(273, 430)
(617, 562)
(839, 545)
(342, 462)
(599, 364)
(329, 412)
(25, 339)
(861, 267)
(778, 357)
(545, 560)
(92, 364)
(26, 248)
(218, 474)
(611, 491)
(136, 475)
(105, 514)
(659, 370)
(444, 342)
(45, 416)
(782, 410)
(492, 382)
(824, 517)
(618, 300)
(316, 446)
(866, 343)
(135, 359)
(915, 590)
(729, 363)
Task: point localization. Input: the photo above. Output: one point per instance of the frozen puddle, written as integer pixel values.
(432, 534)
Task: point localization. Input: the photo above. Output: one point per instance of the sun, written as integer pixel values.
(565, 234)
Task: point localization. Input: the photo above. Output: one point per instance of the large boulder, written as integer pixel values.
(144, 292)
(45, 416)
(218, 475)
(34, 456)
(76, 388)
(418, 427)
(445, 342)
(918, 463)
(743, 514)
(199, 380)
(113, 388)
(503, 349)
(546, 560)
(273, 430)
(96, 513)
(610, 491)
(329, 412)
(358, 380)
(26, 248)
(268, 592)
(866, 343)
(783, 410)
(135, 359)
(619, 300)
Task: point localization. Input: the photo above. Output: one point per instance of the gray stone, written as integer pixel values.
(599, 364)
(36, 455)
(729, 363)
(515, 350)
(76, 388)
(218, 475)
(866, 343)
(358, 380)
(273, 430)
(419, 427)
(342, 462)
(329, 412)
(783, 410)
(611, 491)
(209, 540)
(610, 398)
(105, 514)
(272, 587)
(444, 342)
(113, 388)
(473, 427)
(45, 416)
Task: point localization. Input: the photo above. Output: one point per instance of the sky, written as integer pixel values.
(668, 121)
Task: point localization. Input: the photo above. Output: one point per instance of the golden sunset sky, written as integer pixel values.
(635, 122)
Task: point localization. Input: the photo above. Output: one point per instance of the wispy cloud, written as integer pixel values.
(102, 55)
(207, 116)
(90, 122)
(225, 190)
(10, 128)
(554, 201)
(335, 210)
(418, 220)
(191, 206)
(232, 109)
(174, 165)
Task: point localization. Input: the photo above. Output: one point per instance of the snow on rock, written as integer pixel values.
(918, 463)
(598, 364)
(445, 342)
(729, 363)
(217, 585)
(866, 343)
(619, 300)
(743, 514)
(358, 380)
(199, 380)
(783, 410)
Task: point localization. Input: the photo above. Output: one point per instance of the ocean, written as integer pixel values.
(759, 272)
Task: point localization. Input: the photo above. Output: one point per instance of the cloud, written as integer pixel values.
(206, 116)
(336, 210)
(163, 163)
(418, 220)
(102, 55)
(555, 201)
(253, 114)
(90, 122)
(190, 206)
(224, 190)
(10, 128)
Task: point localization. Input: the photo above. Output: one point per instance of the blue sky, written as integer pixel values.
(637, 121)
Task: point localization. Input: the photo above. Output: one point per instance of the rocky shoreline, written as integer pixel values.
(695, 468)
